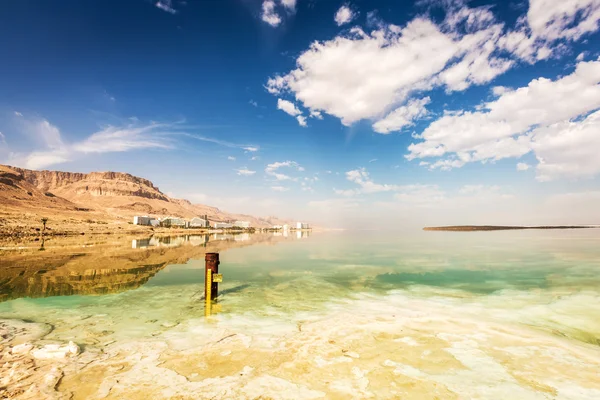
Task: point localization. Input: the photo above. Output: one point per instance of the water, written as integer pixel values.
(490, 315)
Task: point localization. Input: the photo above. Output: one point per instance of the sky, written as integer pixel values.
(344, 114)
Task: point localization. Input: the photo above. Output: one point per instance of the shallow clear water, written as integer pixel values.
(333, 315)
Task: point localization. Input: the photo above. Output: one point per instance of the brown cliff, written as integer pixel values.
(71, 197)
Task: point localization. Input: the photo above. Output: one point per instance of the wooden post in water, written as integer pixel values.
(211, 288)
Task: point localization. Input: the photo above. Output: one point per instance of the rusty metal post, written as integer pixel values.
(211, 263)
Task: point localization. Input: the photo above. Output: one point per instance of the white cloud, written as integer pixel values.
(301, 120)
(402, 116)
(2, 138)
(500, 90)
(216, 141)
(271, 170)
(50, 148)
(18, 114)
(369, 75)
(565, 19)
(522, 166)
(568, 149)
(269, 15)
(288, 107)
(363, 75)
(344, 15)
(580, 57)
(245, 172)
(118, 139)
(363, 180)
(279, 188)
(289, 4)
(231, 158)
(535, 117)
(166, 5)
(316, 114)
(41, 159)
(253, 103)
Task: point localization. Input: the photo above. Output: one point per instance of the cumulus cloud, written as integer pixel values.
(568, 149)
(231, 158)
(251, 149)
(344, 15)
(374, 74)
(568, 19)
(301, 120)
(522, 166)
(362, 75)
(402, 116)
(245, 172)
(316, 114)
(269, 14)
(535, 117)
(288, 107)
(279, 188)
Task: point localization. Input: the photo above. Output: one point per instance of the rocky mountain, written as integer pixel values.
(113, 195)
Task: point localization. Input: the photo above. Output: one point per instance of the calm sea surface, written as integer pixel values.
(487, 315)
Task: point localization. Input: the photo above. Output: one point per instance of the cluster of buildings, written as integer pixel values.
(197, 222)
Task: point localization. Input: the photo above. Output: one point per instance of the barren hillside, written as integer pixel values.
(104, 196)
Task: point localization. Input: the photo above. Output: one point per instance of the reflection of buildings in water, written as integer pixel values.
(170, 241)
(140, 243)
(198, 240)
(222, 236)
(242, 237)
(302, 234)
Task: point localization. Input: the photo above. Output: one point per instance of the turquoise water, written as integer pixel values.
(522, 289)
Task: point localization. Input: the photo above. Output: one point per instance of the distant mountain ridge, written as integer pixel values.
(115, 194)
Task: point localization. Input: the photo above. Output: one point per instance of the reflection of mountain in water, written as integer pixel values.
(91, 282)
(103, 267)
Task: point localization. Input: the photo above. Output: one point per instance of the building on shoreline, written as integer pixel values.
(144, 220)
(173, 221)
(242, 224)
(197, 222)
(302, 225)
(222, 225)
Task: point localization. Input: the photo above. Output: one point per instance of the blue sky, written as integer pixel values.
(341, 113)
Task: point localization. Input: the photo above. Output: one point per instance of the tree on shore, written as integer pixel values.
(44, 220)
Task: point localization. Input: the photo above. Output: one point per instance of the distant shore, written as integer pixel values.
(470, 228)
